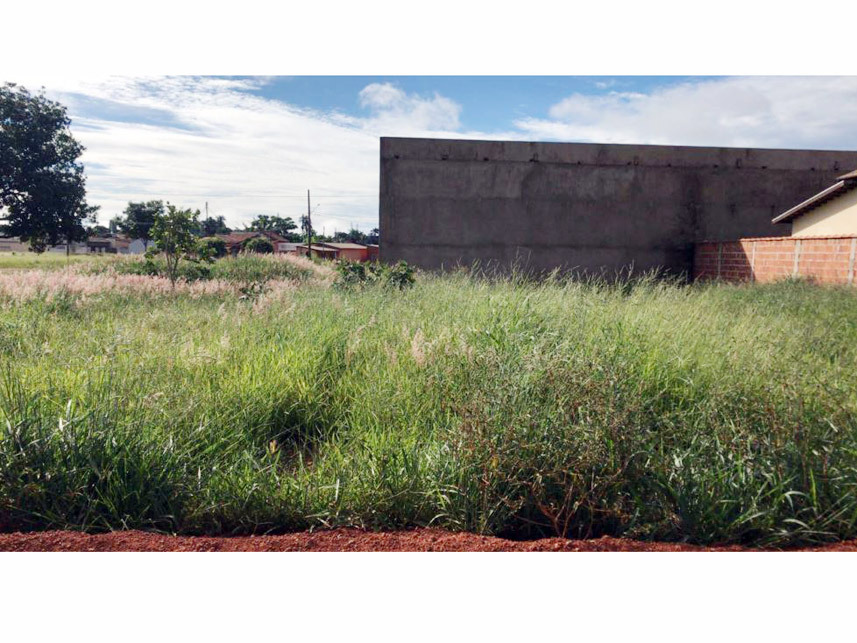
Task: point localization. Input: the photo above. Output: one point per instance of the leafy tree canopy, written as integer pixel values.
(173, 232)
(313, 231)
(98, 231)
(281, 225)
(259, 244)
(139, 218)
(352, 236)
(42, 184)
(213, 225)
(214, 246)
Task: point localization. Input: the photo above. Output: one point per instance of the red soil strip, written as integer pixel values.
(339, 540)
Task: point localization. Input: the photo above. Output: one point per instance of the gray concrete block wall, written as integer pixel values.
(586, 207)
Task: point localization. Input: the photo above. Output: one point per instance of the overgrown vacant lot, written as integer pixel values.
(711, 414)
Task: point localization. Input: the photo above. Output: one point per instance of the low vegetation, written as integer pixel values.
(358, 275)
(709, 414)
(44, 261)
(245, 268)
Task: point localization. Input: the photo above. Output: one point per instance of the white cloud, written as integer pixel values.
(192, 140)
(812, 112)
(394, 110)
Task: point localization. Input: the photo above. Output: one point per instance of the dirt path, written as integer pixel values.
(337, 540)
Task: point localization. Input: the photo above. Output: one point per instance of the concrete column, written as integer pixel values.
(797, 258)
(752, 261)
(851, 260)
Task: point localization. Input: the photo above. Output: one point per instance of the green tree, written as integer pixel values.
(97, 231)
(214, 225)
(42, 184)
(261, 245)
(313, 233)
(281, 225)
(173, 234)
(215, 246)
(139, 218)
(352, 236)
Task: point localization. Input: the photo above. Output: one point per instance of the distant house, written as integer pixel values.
(137, 247)
(101, 245)
(122, 244)
(349, 251)
(287, 246)
(13, 244)
(318, 250)
(235, 240)
(832, 211)
(822, 246)
(74, 248)
(110, 244)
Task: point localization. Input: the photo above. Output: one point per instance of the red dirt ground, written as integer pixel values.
(338, 540)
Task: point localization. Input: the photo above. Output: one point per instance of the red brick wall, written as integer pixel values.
(354, 254)
(823, 259)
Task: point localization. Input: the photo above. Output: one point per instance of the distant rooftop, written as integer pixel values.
(345, 246)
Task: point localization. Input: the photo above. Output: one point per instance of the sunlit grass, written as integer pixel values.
(708, 414)
(46, 260)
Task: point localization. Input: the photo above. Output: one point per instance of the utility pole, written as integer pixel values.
(308, 228)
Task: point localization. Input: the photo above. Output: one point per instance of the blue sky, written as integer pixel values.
(487, 102)
(250, 144)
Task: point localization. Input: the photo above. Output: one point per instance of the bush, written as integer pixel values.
(155, 266)
(248, 268)
(213, 247)
(400, 275)
(245, 269)
(350, 274)
(260, 245)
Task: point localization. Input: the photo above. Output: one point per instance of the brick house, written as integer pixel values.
(320, 250)
(822, 245)
(830, 212)
(349, 251)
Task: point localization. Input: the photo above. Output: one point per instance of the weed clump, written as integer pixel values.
(352, 274)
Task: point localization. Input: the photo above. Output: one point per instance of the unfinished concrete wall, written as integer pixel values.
(588, 207)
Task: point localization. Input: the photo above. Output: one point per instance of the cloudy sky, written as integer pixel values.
(250, 145)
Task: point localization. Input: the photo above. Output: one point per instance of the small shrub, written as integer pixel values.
(351, 274)
(400, 275)
(259, 245)
(147, 267)
(155, 266)
(214, 247)
(194, 271)
(253, 290)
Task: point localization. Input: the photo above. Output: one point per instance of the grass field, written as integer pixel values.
(46, 260)
(709, 414)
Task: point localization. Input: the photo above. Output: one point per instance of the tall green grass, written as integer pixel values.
(709, 414)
